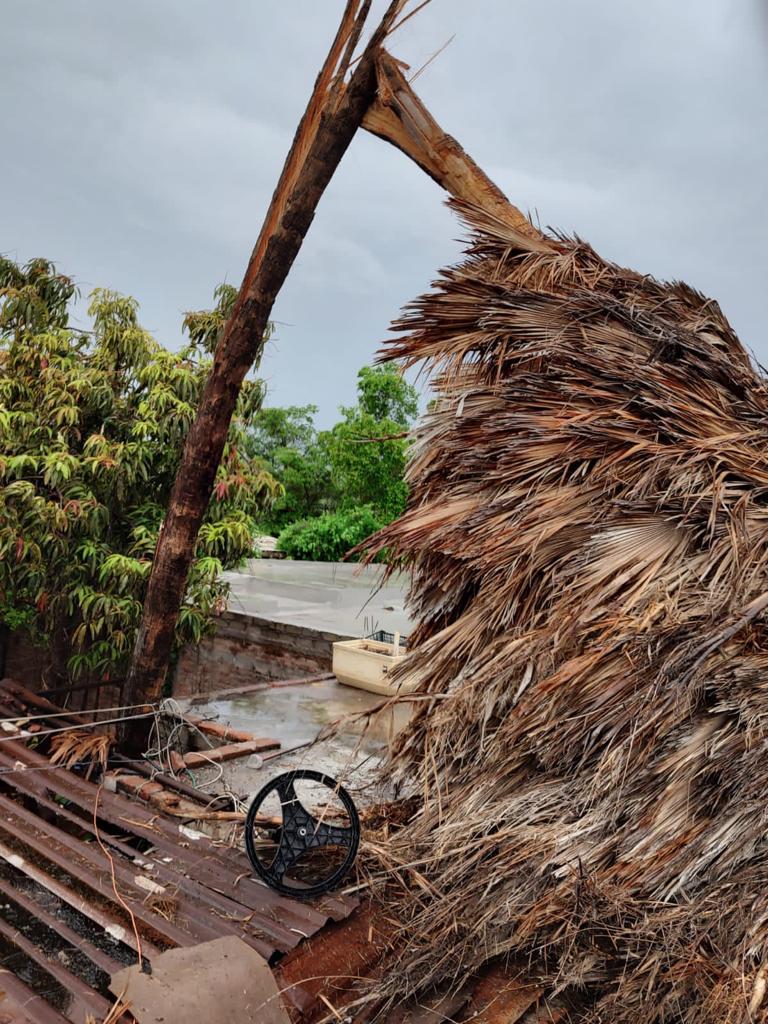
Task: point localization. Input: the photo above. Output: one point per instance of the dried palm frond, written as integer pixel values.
(69, 749)
(166, 904)
(587, 530)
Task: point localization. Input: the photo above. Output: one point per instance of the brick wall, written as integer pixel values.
(245, 649)
(21, 660)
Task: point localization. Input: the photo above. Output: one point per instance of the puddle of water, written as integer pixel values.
(295, 715)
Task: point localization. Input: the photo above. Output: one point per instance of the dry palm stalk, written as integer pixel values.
(587, 530)
(69, 749)
(116, 1013)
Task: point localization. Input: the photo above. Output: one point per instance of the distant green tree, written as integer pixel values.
(366, 449)
(92, 424)
(288, 443)
(384, 394)
(348, 480)
(274, 429)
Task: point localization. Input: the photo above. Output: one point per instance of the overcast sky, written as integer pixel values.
(140, 143)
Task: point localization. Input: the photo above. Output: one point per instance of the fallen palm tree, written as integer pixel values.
(588, 536)
(587, 533)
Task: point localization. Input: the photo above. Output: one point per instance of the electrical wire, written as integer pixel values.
(75, 728)
(161, 750)
(117, 892)
(55, 767)
(72, 714)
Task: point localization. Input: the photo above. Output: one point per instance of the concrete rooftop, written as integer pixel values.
(334, 597)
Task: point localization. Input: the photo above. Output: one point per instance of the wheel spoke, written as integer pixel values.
(286, 791)
(288, 852)
(332, 835)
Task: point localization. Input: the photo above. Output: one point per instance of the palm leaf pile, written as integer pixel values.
(588, 535)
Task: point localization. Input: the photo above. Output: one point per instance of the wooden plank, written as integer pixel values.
(169, 803)
(142, 767)
(197, 759)
(29, 699)
(222, 732)
(264, 684)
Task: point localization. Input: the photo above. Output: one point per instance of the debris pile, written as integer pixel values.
(588, 534)
(99, 876)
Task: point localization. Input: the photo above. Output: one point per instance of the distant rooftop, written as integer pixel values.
(335, 597)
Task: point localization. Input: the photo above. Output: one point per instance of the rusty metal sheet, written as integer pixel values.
(330, 963)
(202, 901)
(199, 866)
(20, 1005)
(503, 995)
(64, 892)
(82, 998)
(13, 894)
(46, 815)
(228, 871)
(27, 835)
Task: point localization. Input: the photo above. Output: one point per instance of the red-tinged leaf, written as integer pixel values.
(221, 489)
(19, 548)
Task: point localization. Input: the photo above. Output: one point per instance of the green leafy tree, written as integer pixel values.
(92, 424)
(274, 430)
(385, 395)
(367, 449)
(287, 441)
(356, 469)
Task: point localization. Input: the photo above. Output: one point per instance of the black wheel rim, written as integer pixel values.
(302, 831)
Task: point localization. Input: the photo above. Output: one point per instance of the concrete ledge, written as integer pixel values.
(247, 648)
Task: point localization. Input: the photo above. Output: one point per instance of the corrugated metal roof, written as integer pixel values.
(62, 920)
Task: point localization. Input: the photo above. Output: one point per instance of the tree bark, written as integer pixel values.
(399, 117)
(333, 115)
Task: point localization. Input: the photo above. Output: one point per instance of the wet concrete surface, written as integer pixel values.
(333, 597)
(297, 715)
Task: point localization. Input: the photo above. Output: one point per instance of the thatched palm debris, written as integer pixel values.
(588, 534)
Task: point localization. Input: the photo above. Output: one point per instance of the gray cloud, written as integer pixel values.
(140, 145)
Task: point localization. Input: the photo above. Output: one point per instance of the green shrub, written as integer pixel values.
(328, 538)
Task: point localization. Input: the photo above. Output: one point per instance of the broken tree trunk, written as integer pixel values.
(333, 115)
(399, 117)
